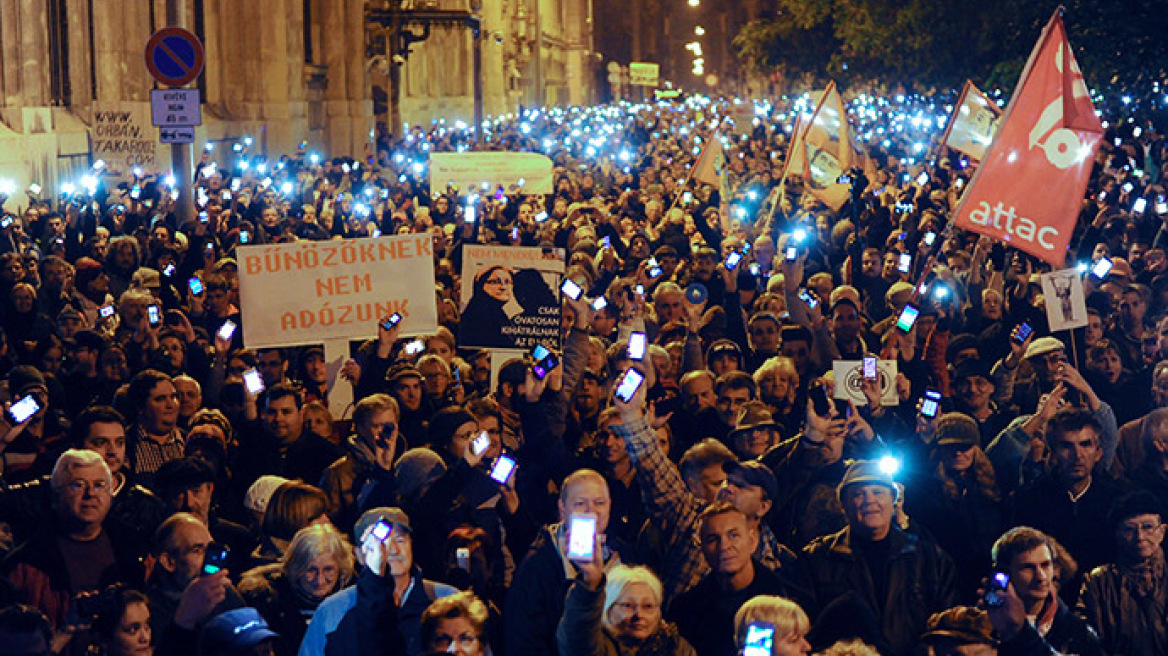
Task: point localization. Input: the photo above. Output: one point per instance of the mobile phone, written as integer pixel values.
(998, 584)
(244, 236)
(599, 304)
(468, 216)
(869, 368)
(35, 189)
(381, 530)
(415, 347)
(154, 315)
(480, 443)
(931, 404)
(1139, 206)
(733, 259)
(629, 383)
(196, 285)
(930, 237)
(755, 270)
(23, 409)
(654, 271)
(923, 179)
(819, 400)
(792, 253)
(391, 321)
(1101, 268)
(844, 179)
(253, 381)
(503, 469)
(1161, 206)
(582, 537)
(905, 263)
(168, 271)
(515, 233)
(462, 557)
(226, 331)
(637, 346)
(807, 298)
(687, 197)
(1102, 196)
(760, 639)
(210, 248)
(135, 192)
(541, 217)
(908, 317)
(545, 361)
(226, 195)
(959, 183)
(106, 311)
(696, 293)
(215, 558)
(571, 289)
(1024, 331)
(6, 221)
(606, 242)
(1127, 187)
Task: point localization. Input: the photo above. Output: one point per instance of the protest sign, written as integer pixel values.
(1029, 190)
(123, 137)
(644, 74)
(974, 123)
(317, 291)
(510, 297)
(530, 172)
(1066, 307)
(849, 374)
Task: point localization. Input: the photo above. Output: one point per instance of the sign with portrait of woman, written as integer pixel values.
(510, 297)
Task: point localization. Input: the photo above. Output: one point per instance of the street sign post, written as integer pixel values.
(172, 108)
(174, 56)
(176, 135)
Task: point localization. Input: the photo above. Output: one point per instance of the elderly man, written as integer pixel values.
(1131, 452)
(364, 475)
(385, 606)
(871, 575)
(73, 551)
(1124, 600)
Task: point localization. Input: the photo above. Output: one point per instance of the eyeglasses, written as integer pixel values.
(94, 487)
(466, 641)
(1130, 531)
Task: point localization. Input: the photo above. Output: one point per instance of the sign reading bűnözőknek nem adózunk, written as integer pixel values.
(308, 292)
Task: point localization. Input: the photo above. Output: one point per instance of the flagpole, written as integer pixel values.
(689, 175)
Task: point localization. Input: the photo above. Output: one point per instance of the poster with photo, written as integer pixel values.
(1066, 307)
(510, 297)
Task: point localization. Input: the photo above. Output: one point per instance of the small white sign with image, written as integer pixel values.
(1066, 307)
(849, 375)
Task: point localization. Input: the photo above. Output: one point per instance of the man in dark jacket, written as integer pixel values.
(285, 447)
(873, 580)
(705, 613)
(1030, 558)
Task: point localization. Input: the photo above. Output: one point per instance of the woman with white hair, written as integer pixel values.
(783, 617)
(617, 614)
(318, 562)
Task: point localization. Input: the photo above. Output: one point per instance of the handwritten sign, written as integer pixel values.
(511, 297)
(314, 291)
(529, 172)
(123, 137)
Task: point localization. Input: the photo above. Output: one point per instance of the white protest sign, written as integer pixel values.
(308, 292)
(510, 297)
(644, 74)
(122, 136)
(849, 374)
(1066, 307)
(530, 172)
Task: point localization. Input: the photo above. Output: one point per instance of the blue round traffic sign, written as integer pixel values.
(174, 56)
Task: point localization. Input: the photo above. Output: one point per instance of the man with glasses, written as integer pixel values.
(73, 551)
(1121, 599)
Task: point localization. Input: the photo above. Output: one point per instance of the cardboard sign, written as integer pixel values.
(308, 292)
(510, 297)
(529, 172)
(849, 374)
(1066, 306)
(123, 137)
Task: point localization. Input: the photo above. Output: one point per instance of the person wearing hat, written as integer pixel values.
(188, 485)
(1038, 575)
(755, 432)
(973, 394)
(960, 631)
(29, 450)
(93, 287)
(405, 385)
(723, 356)
(1121, 598)
(956, 498)
(238, 632)
(382, 613)
(873, 573)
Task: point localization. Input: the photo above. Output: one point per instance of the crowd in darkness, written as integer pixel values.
(1002, 490)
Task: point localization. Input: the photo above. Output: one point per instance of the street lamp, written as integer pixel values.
(694, 3)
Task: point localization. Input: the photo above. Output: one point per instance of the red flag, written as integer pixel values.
(1029, 189)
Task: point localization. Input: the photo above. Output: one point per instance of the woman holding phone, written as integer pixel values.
(777, 620)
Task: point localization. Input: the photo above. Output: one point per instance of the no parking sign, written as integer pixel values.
(174, 56)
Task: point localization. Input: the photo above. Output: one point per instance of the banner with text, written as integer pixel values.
(123, 137)
(644, 74)
(1029, 190)
(308, 292)
(510, 297)
(530, 172)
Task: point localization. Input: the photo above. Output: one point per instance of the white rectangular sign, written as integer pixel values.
(644, 74)
(121, 136)
(1066, 307)
(172, 108)
(308, 292)
(176, 135)
(849, 374)
(529, 173)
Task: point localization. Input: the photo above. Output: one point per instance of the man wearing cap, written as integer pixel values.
(1031, 560)
(1125, 599)
(188, 485)
(239, 632)
(897, 295)
(755, 431)
(405, 385)
(93, 287)
(32, 451)
(705, 613)
(973, 388)
(960, 631)
(873, 573)
(382, 613)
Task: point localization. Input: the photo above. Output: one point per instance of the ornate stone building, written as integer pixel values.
(74, 86)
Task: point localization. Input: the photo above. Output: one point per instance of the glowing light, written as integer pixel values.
(68, 188)
(286, 188)
(7, 187)
(700, 31)
(888, 465)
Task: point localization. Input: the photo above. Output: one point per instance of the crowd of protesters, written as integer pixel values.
(1009, 500)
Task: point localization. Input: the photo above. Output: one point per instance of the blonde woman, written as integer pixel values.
(784, 617)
